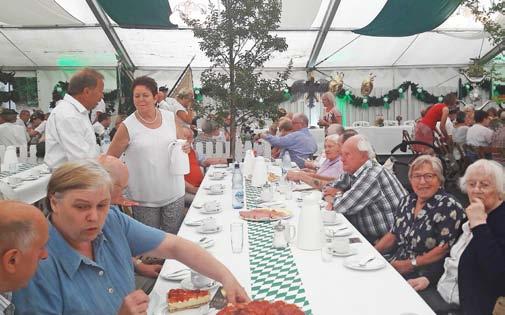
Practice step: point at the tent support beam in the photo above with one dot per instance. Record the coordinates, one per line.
(323, 31)
(405, 50)
(14, 45)
(492, 53)
(104, 22)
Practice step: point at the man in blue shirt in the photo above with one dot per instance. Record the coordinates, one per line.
(299, 144)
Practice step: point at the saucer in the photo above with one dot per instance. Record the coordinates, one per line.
(14, 185)
(221, 186)
(216, 178)
(220, 166)
(193, 222)
(350, 252)
(337, 232)
(216, 210)
(220, 192)
(353, 263)
(30, 177)
(217, 229)
(188, 285)
(329, 223)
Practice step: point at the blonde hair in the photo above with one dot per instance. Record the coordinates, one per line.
(435, 163)
(184, 92)
(84, 174)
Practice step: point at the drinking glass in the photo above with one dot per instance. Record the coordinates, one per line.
(326, 255)
(237, 237)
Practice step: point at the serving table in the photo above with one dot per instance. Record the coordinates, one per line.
(30, 189)
(294, 275)
(384, 139)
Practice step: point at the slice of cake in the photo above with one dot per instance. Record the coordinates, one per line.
(180, 299)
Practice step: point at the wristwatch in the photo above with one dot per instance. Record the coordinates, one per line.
(413, 262)
(138, 262)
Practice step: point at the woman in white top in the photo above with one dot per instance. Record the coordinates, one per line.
(144, 137)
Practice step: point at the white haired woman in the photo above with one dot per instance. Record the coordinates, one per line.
(426, 223)
(89, 269)
(330, 170)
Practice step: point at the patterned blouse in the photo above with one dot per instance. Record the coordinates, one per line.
(436, 224)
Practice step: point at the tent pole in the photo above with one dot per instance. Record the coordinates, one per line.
(104, 22)
(323, 31)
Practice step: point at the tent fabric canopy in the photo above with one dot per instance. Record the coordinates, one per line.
(134, 13)
(409, 17)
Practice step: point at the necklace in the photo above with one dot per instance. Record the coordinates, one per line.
(149, 122)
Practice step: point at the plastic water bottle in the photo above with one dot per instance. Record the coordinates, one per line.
(237, 188)
(106, 137)
(286, 161)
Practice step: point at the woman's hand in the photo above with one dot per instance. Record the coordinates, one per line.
(476, 213)
(235, 293)
(402, 266)
(419, 284)
(186, 147)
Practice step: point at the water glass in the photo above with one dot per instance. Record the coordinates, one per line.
(237, 237)
(326, 255)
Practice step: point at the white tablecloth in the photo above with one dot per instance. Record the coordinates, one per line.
(30, 191)
(330, 287)
(384, 139)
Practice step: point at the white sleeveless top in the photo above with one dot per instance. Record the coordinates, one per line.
(148, 161)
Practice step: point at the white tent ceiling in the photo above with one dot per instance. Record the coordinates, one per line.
(77, 40)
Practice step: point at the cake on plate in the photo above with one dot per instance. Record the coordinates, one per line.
(261, 308)
(180, 299)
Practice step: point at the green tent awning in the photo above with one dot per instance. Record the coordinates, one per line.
(409, 17)
(139, 14)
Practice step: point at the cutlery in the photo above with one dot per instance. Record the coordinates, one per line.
(203, 239)
(177, 272)
(366, 260)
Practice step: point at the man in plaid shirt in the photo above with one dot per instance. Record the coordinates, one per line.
(374, 194)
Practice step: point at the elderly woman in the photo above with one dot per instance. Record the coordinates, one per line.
(90, 269)
(144, 138)
(474, 273)
(330, 169)
(426, 223)
(331, 114)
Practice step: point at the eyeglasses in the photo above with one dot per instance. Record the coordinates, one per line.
(428, 177)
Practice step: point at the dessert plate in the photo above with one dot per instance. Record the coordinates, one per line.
(217, 229)
(219, 192)
(29, 177)
(357, 263)
(188, 285)
(350, 252)
(213, 211)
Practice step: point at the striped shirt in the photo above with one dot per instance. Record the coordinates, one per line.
(6, 306)
(371, 201)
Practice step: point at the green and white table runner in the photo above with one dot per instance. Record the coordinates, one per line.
(274, 274)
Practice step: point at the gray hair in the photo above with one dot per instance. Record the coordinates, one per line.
(302, 117)
(365, 146)
(489, 168)
(209, 126)
(17, 234)
(469, 107)
(333, 138)
(435, 163)
(335, 129)
(328, 95)
(86, 78)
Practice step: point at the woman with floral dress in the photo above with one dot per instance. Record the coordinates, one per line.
(426, 223)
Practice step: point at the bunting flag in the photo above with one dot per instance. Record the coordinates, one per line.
(185, 82)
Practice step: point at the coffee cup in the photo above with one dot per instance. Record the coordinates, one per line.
(329, 216)
(209, 224)
(13, 180)
(35, 172)
(340, 245)
(217, 188)
(211, 206)
(199, 281)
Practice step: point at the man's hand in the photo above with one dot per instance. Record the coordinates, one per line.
(419, 284)
(476, 213)
(150, 271)
(126, 202)
(402, 266)
(293, 175)
(330, 191)
(134, 303)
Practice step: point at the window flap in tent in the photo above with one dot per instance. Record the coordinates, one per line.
(409, 17)
(139, 14)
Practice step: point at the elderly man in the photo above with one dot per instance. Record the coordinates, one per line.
(69, 133)
(10, 132)
(299, 144)
(23, 238)
(374, 193)
(24, 118)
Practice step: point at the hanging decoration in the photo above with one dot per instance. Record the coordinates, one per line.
(197, 91)
(337, 84)
(367, 85)
(311, 89)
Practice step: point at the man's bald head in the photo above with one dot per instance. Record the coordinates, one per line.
(118, 173)
(23, 236)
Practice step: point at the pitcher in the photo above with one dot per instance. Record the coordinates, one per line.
(310, 223)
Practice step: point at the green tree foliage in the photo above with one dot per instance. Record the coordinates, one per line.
(485, 15)
(237, 39)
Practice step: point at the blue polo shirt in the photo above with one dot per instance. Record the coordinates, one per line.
(70, 283)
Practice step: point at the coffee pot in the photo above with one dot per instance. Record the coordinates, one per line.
(310, 223)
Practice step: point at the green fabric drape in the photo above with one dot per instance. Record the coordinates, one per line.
(409, 17)
(139, 14)
(342, 107)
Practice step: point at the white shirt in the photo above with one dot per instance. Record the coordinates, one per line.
(100, 107)
(448, 284)
(19, 122)
(449, 127)
(479, 136)
(5, 302)
(164, 105)
(69, 134)
(12, 134)
(98, 128)
(459, 134)
(147, 158)
(174, 106)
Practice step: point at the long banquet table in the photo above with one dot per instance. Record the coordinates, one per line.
(324, 287)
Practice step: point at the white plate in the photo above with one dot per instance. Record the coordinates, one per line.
(352, 251)
(220, 166)
(215, 192)
(218, 229)
(353, 263)
(217, 210)
(176, 276)
(208, 187)
(337, 233)
(14, 185)
(162, 309)
(188, 285)
(216, 178)
(336, 222)
(193, 222)
(31, 177)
